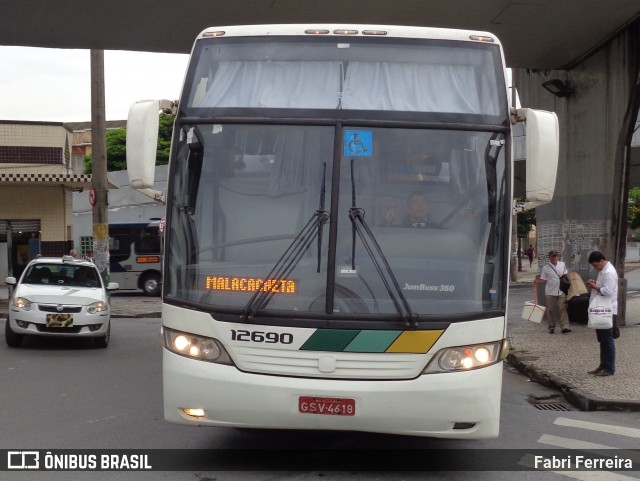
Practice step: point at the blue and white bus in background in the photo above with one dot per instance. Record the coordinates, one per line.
(296, 294)
(135, 256)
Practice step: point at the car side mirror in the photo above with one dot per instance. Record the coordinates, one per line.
(112, 286)
(11, 281)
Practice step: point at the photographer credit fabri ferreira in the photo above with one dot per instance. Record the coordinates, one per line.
(580, 462)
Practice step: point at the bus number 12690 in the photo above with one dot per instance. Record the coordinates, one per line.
(259, 336)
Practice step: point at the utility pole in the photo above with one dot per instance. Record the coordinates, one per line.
(99, 166)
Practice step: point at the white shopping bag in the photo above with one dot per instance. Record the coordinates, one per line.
(600, 312)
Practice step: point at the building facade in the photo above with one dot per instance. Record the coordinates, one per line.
(37, 179)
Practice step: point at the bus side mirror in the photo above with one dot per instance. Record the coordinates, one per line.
(142, 142)
(542, 148)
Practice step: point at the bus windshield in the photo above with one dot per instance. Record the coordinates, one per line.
(324, 220)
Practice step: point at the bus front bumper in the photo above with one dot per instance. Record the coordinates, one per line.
(463, 405)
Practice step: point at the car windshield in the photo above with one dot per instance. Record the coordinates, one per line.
(62, 274)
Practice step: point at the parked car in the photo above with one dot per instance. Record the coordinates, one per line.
(59, 297)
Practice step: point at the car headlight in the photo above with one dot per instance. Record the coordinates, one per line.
(97, 307)
(464, 358)
(196, 347)
(22, 303)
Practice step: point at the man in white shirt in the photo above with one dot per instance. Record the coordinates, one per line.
(556, 306)
(605, 285)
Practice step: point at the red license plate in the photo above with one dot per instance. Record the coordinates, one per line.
(327, 405)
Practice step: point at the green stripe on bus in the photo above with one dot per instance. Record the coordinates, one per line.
(329, 340)
(372, 341)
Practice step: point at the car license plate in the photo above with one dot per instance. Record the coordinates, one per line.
(59, 320)
(327, 405)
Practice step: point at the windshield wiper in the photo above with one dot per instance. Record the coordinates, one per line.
(360, 226)
(289, 260)
(189, 181)
(322, 209)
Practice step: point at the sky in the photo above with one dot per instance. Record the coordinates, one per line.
(54, 85)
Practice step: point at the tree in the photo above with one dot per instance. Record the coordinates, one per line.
(633, 208)
(525, 220)
(164, 138)
(117, 146)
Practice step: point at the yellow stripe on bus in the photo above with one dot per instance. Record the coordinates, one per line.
(415, 341)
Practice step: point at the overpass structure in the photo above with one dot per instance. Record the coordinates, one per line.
(589, 50)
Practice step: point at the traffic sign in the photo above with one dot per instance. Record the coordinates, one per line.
(92, 196)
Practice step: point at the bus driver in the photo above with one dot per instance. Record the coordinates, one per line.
(417, 212)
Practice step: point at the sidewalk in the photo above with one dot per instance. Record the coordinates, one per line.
(559, 360)
(562, 360)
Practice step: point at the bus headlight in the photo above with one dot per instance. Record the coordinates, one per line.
(464, 358)
(22, 303)
(196, 347)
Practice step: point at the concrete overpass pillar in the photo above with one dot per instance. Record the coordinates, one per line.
(588, 211)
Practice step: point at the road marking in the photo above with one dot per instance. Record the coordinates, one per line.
(605, 428)
(568, 443)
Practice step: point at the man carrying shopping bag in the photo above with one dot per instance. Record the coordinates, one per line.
(606, 285)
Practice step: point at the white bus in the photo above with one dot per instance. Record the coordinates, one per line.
(135, 256)
(296, 293)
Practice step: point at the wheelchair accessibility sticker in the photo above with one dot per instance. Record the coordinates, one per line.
(358, 143)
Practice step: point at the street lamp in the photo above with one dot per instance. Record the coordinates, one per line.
(558, 87)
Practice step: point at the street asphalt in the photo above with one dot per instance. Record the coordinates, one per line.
(557, 360)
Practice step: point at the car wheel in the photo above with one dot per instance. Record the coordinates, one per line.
(103, 341)
(151, 284)
(13, 339)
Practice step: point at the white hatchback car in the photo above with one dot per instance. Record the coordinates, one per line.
(61, 297)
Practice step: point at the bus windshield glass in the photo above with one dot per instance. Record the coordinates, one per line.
(335, 221)
(346, 74)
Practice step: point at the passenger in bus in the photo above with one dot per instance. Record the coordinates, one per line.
(417, 213)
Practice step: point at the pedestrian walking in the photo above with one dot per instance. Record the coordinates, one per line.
(556, 299)
(531, 252)
(606, 284)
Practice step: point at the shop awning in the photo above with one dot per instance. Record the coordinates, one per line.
(71, 181)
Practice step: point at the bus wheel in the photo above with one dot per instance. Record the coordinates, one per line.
(13, 339)
(151, 284)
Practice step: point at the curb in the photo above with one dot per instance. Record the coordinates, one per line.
(579, 398)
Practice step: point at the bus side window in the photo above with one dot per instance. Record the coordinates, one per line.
(148, 242)
(119, 247)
